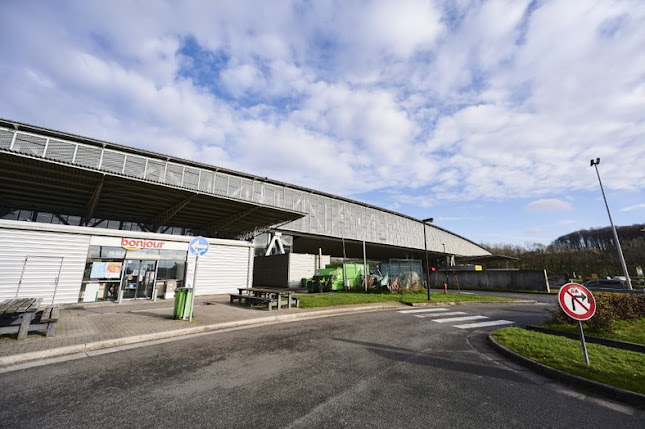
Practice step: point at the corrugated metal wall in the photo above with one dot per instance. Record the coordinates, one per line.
(303, 265)
(38, 254)
(224, 269)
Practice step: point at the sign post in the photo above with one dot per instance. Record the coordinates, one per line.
(578, 303)
(199, 247)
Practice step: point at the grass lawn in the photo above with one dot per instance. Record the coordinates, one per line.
(620, 368)
(554, 291)
(632, 331)
(328, 299)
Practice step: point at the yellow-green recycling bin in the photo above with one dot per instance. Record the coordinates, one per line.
(183, 297)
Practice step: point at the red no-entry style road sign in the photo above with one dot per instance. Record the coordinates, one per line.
(577, 301)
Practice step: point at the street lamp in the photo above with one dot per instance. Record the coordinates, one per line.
(444, 251)
(620, 251)
(425, 245)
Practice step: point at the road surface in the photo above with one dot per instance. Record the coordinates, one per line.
(385, 369)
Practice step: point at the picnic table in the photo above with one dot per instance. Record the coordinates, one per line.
(271, 297)
(17, 316)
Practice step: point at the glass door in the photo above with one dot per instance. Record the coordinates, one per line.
(145, 286)
(138, 278)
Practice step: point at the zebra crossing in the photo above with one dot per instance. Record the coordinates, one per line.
(444, 315)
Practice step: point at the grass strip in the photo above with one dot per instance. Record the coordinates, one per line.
(619, 368)
(329, 299)
(553, 291)
(632, 331)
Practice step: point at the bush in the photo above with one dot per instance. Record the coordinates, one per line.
(609, 307)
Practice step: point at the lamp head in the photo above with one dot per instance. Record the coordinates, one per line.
(429, 220)
(596, 162)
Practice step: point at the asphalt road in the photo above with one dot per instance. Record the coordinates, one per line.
(382, 369)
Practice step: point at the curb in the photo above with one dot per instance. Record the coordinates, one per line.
(605, 390)
(623, 345)
(439, 304)
(7, 361)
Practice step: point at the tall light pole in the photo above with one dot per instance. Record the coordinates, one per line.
(425, 245)
(613, 228)
(444, 251)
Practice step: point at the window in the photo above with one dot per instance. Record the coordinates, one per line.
(171, 269)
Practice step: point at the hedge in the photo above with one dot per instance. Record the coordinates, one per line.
(609, 307)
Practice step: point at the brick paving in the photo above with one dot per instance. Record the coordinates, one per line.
(86, 323)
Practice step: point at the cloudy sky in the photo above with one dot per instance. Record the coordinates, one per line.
(483, 114)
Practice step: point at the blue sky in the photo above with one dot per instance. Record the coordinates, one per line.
(483, 115)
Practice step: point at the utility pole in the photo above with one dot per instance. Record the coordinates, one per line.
(444, 251)
(613, 228)
(425, 245)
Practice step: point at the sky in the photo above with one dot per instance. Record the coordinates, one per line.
(481, 114)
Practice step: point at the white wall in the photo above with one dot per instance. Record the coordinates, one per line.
(304, 265)
(227, 265)
(43, 253)
(224, 269)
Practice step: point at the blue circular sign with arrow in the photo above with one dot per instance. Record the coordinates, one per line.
(198, 246)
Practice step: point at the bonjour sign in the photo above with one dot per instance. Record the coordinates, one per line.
(138, 244)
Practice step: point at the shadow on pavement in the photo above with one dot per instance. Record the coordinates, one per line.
(429, 359)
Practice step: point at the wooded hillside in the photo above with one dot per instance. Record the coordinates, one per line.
(583, 253)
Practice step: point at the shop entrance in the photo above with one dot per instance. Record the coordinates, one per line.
(138, 278)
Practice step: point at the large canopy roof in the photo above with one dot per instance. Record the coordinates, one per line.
(43, 169)
(34, 184)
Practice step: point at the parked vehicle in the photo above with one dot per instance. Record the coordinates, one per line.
(605, 283)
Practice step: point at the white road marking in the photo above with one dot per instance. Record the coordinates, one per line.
(459, 319)
(450, 313)
(468, 293)
(484, 324)
(423, 310)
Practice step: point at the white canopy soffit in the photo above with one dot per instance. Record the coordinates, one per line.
(47, 170)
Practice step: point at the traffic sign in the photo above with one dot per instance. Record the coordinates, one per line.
(579, 304)
(198, 246)
(577, 301)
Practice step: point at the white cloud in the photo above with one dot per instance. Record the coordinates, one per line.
(635, 207)
(400, 27)
(488, 101)
(548, 205)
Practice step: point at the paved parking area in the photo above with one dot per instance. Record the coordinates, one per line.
(87, 323)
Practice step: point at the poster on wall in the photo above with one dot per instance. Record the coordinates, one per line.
(113, 270)
(106, 270)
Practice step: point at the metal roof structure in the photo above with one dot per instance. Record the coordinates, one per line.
(50, 170)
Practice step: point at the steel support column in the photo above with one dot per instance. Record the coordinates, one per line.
(167, 215)
(90, 208)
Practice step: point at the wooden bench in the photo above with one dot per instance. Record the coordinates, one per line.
(250, 300)
(17, 314)
(294, 301)
(48, 321)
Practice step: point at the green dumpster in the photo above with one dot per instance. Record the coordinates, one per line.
(183, 297)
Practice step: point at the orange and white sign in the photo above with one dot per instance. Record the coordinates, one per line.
(135, 244)
(139, 244)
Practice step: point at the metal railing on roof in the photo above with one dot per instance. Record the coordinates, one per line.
(326, 216)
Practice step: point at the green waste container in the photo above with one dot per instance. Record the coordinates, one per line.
(183, 297)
